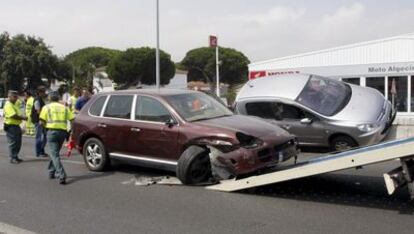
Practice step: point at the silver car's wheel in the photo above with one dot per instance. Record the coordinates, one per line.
(95, 155)
(342, 143)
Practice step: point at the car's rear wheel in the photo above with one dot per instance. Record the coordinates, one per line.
(94, 155)
(342, 143)
(194, 166)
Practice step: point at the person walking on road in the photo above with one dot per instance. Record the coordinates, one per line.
(13, 119)
(54, 117)
(40, 133)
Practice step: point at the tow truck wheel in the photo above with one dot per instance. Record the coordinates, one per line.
(194, 166)
(341, 143)
(94, 155)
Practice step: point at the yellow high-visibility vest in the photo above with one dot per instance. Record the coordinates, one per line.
(56, 116)
(11, 110)
(73, 100)
(29, 106)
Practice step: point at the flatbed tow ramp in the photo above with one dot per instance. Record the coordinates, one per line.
(402, 150)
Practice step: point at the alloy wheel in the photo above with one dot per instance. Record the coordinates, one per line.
(94, 155)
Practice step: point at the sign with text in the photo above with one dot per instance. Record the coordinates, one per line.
(259, 74)
(213, 41)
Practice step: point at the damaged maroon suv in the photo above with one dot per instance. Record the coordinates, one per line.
(185, 131)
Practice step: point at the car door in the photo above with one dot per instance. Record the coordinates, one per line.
(306, 126)
(289, 118)
(114, 125)
(150, 135)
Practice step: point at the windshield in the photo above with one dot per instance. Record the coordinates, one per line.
(325, 96)
(197, 106)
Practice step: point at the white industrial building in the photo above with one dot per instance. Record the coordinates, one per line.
(386, 65)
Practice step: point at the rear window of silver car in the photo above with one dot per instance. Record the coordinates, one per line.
(325, 96)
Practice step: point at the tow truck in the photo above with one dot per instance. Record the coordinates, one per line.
(402, 150)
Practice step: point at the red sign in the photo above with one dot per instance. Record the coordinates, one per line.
(277, 73)
(256, 74)
(259, 74)
(213, 41)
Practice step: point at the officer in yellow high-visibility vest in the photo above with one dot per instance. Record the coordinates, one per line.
(76, 92)
(12, 120)
(54, 117)
(29, 106)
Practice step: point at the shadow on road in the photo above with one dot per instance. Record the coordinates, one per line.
(347, 190)
(134, 169)
(92, 175)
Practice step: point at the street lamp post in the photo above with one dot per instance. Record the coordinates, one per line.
(157, 51)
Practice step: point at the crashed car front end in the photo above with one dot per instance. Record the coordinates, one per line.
(249, 154)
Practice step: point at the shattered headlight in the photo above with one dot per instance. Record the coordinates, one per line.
(248, 141)
(254, 144)
(224, 146)
(221, 142)
(367, 127)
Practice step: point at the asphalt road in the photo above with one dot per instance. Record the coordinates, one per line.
(353, 201)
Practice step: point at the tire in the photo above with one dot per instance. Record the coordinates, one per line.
(94, 155)
(342, 143)
(194, 166)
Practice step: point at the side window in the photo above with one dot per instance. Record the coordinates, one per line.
(149, 109)
(119, 106)
(292, 112)
(295, 113)
(260, 109)
(96, 107)
(276, 111)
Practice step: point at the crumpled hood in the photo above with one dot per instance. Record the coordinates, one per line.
(365, 105)
(247, 124)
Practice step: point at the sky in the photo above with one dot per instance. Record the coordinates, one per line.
(261, 29)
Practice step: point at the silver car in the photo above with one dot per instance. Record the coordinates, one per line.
(318, 110)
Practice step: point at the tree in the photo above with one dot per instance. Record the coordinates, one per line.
(4, 39)
(85, 61)
(137, 65)
(27, 57)
(201, 65)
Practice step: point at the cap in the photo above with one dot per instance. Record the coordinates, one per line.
(54, 95)
(13, 93)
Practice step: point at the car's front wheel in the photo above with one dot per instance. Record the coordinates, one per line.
(342, 143)
(194, 165)
(94, 155)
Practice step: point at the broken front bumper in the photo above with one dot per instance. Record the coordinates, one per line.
(244, 160)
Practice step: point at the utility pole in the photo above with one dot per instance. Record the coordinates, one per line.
(213, 43)
(217, 72)
(157, 51)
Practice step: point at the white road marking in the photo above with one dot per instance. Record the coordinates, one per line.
(9, 229)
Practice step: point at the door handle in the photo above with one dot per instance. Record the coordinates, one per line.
(101, 125)
(135, 129)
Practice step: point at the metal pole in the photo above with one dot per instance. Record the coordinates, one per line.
(157, 51)
(217, 72)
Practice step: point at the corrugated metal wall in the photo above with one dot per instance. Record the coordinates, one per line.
(389, 50)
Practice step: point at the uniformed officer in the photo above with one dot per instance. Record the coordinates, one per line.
(54, 117)
(72, 100)
(29, 106)
(13, 119)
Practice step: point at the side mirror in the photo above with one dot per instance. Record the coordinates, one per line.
(171, 122)
(306, 121)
